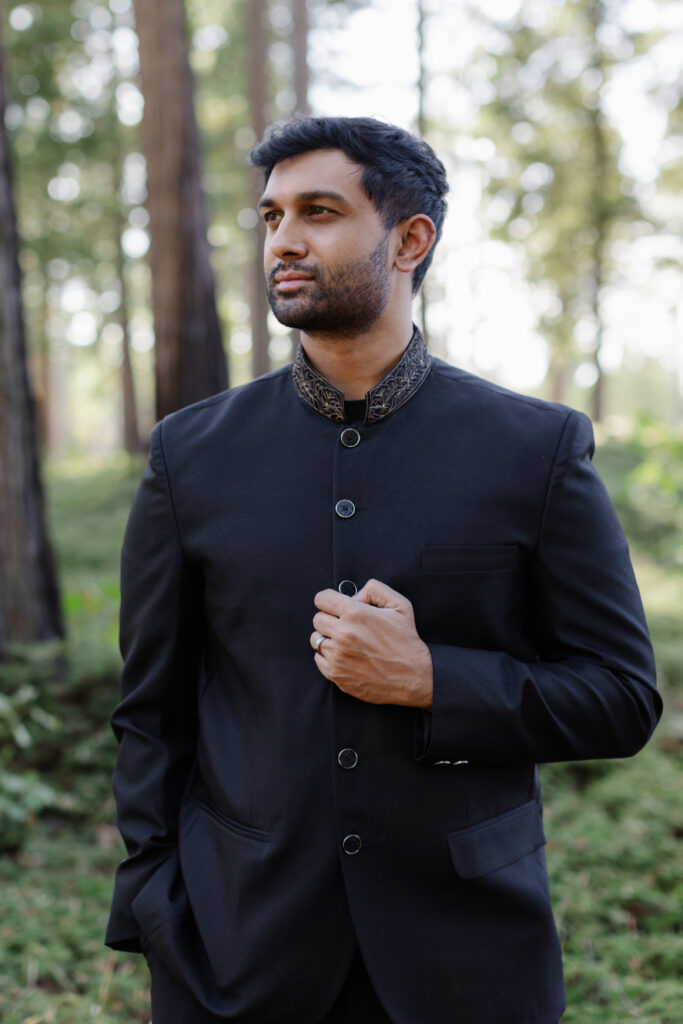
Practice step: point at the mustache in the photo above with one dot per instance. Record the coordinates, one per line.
(287, 268)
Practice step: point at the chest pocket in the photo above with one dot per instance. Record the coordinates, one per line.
(472, 596)
(482, 558)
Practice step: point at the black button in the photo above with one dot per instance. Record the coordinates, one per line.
(348, 587)
(345, 508)
(347, 758)
(349, 437)
(351, 844)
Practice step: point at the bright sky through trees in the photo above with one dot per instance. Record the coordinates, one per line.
(484, 313)
(490, 322)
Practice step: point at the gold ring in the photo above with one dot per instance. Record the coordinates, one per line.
(319, 642)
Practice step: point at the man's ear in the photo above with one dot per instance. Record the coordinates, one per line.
(418, 235)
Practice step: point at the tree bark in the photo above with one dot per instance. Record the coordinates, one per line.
(422, 129)
(258, 98)
(29, 599)
(601, 223)
(131, 432)
(601, 218)
(300, 55)
(41, 390)
(189, 357)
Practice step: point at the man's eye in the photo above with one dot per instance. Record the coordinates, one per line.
(318, 210)
(271, 216)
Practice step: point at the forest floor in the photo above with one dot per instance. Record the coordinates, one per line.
(614, 853)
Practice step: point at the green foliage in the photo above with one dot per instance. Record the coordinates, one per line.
(56, 747)
(645, 478)
(616, 865)
(556, 188)
(29, 738)
(53, 906)
(22, 797)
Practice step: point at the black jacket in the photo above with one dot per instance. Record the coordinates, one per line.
(483, 508)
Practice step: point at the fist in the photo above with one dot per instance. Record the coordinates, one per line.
(371, 648)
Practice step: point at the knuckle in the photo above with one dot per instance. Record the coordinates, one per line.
(344, 634)
(354, 614)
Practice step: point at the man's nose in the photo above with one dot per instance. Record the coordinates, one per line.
(287, 241)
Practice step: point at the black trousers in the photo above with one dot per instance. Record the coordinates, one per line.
(173, 1004)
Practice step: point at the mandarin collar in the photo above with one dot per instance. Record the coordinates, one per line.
(393, 391)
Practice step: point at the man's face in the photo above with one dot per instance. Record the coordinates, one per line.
(326, 256)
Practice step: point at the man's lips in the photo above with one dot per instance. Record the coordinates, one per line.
(291, 280)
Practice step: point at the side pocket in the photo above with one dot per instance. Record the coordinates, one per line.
(492, 844)
(238, 828)
(161, 898)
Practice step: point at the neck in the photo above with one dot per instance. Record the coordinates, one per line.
(354, 364)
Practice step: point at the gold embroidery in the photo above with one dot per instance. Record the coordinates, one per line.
(390, 394)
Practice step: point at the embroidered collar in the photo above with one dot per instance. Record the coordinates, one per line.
(390, 394)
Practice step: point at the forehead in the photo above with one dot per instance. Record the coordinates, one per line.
(320, 170)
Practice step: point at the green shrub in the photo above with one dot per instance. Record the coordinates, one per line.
(29, 741)
(22, 798)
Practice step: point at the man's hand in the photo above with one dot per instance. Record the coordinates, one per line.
(371, 648)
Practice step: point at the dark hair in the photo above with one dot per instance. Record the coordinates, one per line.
(401, 173)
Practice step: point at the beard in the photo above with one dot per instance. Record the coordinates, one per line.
(342, 300)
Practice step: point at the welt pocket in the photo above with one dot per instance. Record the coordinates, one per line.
(238, 828)
(493, 844)
(479, 558)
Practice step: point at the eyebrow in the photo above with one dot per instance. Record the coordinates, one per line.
(307, 197)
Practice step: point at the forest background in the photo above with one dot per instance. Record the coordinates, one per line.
(127, 126)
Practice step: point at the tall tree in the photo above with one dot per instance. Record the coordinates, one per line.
(422, 123)
(190, 361)
(29, 601)
(131, 432)
(69, 65)
(557, 174)
(258, 100)
(300, 55)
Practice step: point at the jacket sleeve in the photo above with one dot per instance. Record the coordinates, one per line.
(591, 692)
(155, 722)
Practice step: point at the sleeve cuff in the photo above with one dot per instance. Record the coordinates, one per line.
(436, 732)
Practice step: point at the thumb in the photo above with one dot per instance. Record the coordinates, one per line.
(381, 596)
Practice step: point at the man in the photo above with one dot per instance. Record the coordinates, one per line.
(362, 597)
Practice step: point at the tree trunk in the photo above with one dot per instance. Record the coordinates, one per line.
(602, 225)
(422, 129)
(601, 217)
(558, 382)
(598, 397)
(258, 98)
(189, 356)
(29, 600)
(300, 55)
(131, 433)
(42, 373)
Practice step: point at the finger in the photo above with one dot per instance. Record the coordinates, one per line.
(323, 666)
(332, 602)
(325, 624)
(316, 640)
(382, 596)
